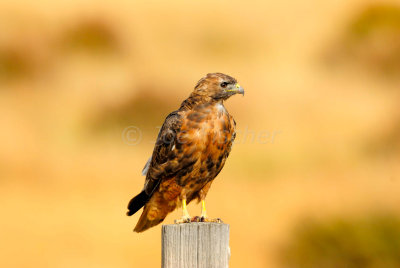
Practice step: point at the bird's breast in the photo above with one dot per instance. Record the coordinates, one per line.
(205, 139)
(207, 126)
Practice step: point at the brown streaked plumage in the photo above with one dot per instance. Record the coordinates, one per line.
(191, 149)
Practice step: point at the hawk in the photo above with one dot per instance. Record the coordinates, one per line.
(191, 149)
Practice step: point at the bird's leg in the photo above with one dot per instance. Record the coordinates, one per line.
(203, 209)
(184, 210)
(185, 217)
(204, 217)
(202, 195)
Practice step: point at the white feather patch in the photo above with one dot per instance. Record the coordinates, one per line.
(146, 167)
(220, 107)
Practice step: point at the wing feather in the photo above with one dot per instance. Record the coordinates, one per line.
(163, 151)
(146, 167)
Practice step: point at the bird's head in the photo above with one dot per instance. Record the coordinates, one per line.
(218, 86)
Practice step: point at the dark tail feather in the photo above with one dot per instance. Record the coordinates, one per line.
(137, 203)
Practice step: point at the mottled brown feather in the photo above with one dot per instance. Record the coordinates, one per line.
(191, 149)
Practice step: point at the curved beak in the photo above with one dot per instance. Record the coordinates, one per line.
(239, 89)
(236, 89)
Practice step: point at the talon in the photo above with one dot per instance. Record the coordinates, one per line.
(184, 219)
(216, 220)
(204, 217)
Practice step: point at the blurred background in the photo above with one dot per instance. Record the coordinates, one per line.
(312, 181)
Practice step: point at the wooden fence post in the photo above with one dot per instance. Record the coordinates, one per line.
(195, 245)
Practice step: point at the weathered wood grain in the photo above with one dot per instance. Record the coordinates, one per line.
(195, 245)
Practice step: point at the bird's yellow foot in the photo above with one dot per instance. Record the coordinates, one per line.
(206, 219)
(184, 219)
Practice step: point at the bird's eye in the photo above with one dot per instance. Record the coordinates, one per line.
(224, 84)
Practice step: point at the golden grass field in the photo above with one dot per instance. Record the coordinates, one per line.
(75, 74)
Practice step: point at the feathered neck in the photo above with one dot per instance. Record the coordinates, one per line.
(197, 99)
